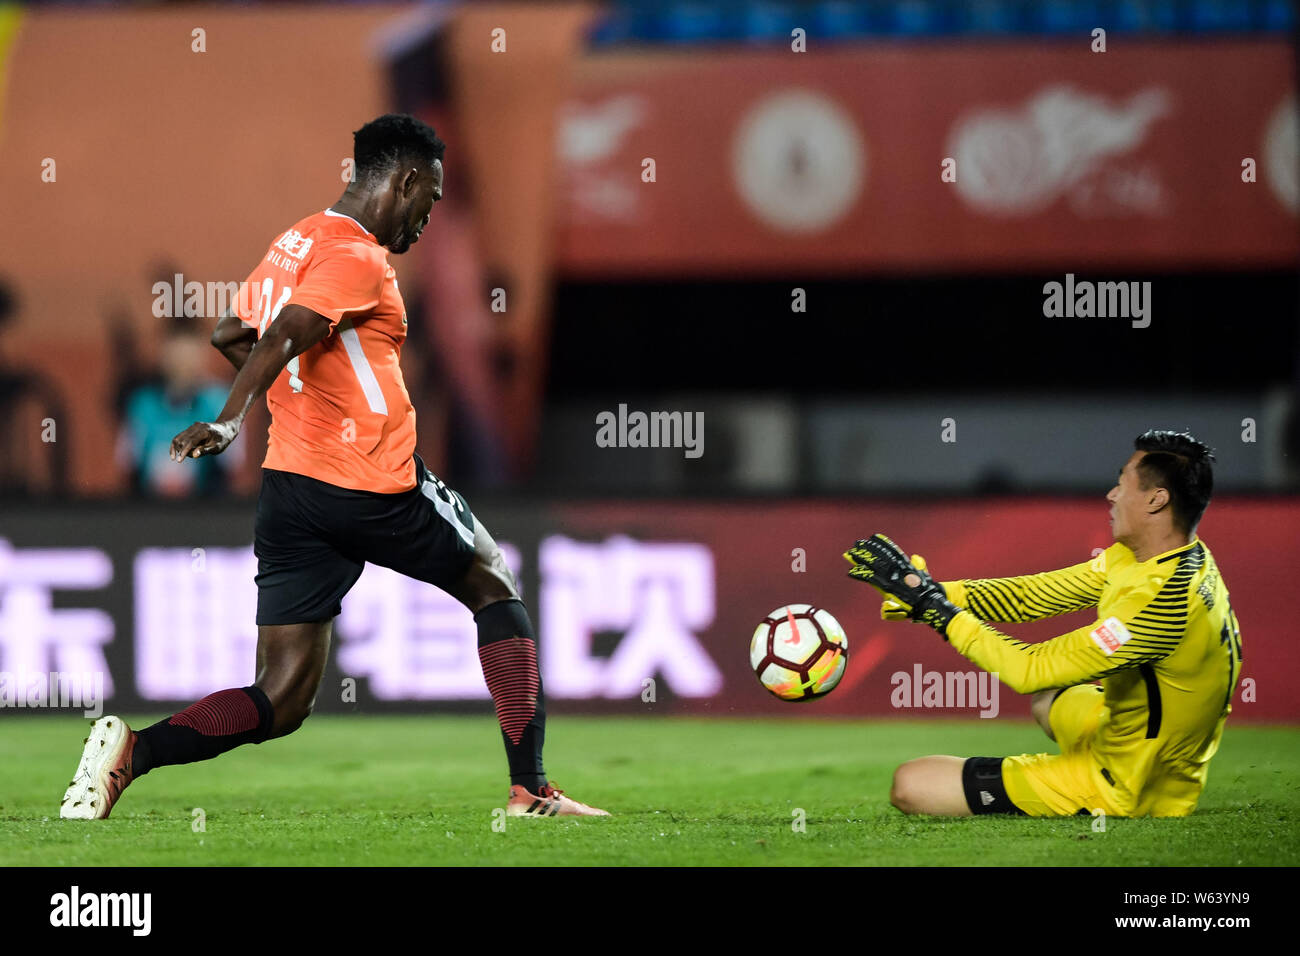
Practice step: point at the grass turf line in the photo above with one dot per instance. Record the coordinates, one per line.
(421, 790)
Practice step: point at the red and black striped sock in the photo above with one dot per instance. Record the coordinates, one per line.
(213, 725)
(507, 649)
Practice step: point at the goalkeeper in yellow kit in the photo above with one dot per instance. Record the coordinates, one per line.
(1165, 647)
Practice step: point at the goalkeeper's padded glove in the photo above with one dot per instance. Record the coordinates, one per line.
(883, 565)
(895, 610)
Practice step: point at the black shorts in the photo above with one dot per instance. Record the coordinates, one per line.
(312, 540)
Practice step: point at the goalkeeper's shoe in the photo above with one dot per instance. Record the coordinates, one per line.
(548, 802)
(104, 771)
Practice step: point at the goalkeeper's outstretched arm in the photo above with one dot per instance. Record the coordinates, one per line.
(1031, 597)
(1142, 629)
(1131, 637)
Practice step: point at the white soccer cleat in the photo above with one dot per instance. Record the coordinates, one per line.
(549, 802)
(104, 771)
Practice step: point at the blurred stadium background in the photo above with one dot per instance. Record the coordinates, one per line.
(865, 338)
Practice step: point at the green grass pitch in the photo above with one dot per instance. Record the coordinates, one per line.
(418, 791)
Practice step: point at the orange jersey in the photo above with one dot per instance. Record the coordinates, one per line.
(340, 411)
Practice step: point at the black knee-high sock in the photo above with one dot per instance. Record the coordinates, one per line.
(213, 725)
(507, 649)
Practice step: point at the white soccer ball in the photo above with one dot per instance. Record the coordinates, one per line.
(799, 652)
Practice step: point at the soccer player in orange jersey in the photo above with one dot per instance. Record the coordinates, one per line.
(318, 326)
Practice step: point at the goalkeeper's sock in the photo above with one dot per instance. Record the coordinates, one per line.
(507, 649)
(203, 730)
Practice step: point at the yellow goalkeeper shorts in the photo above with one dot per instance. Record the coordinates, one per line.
(1071, 782)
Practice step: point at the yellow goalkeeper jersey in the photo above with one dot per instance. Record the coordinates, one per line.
(1166, 648)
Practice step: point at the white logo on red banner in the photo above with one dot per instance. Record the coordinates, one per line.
(799, 161)
(588, 141)
(1062, 143)
(36, 635)
(1282, 154)
(653, 597)
(195, 621)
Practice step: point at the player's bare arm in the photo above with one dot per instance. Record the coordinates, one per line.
(294, 331)
(233, 339)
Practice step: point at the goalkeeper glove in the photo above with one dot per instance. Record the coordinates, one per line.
(884, 566)
(894, 610)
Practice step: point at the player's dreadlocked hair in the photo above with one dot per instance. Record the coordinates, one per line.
(1181, 465)
(391, 139)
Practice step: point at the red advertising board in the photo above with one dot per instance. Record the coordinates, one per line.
(1148, 155)
(766, 556)
(639, 607)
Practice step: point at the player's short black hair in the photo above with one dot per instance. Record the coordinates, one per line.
(383, 143)
(1181, 465)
